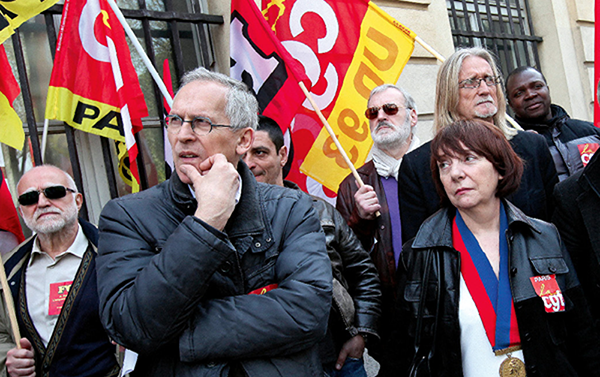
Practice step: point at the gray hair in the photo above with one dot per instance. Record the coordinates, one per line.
(409, 102)
(447, 91)
(241, 106)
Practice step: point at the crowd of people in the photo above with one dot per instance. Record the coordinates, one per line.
(443, 263)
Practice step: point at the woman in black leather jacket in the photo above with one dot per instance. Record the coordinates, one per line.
(501, 297)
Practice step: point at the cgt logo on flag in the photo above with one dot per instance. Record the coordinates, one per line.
(94, 86)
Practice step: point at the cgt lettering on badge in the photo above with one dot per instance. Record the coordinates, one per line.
(547, 288)
(554, 303)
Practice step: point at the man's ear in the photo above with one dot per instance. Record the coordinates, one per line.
(78, 200)
(245, 139)
(414, 117)
(283, 155)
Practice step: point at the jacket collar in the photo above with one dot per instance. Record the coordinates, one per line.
(558, 116)
(247, 218)
(436, 231)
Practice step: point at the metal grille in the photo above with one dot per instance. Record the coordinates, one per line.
(501, 26)
(176, 26)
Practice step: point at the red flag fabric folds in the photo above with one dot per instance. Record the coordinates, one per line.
(11, 130)
(94, 86)
(260, 60)
(9, 221)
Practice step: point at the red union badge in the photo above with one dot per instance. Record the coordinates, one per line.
(58, 294)
(547, 288)
(263, 290)
(587, 151)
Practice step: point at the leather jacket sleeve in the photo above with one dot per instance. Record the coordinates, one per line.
(346, 205)
(353, 267)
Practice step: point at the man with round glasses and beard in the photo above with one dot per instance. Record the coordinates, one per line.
(392, 115)
(52, 270)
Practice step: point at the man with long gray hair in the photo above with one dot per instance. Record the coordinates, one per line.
(468, 87)
(209, 273)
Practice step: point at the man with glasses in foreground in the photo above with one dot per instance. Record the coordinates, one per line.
(468, 87)
(392, 116)
(210, 273)
(53, 270)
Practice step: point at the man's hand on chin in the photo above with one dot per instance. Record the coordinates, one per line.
(215, 184)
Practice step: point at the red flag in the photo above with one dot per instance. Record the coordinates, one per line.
(259, 59)
(348, 48)
(11, 131)
(9, 221)
(597, 69)
(169, 84)
(94, 86)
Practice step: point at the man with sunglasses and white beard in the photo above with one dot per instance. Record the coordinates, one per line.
(392, 116)
(52, 270)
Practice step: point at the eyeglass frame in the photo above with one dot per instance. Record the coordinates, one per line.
(495, 81)
(191, 122)
(38, 192)
(383, 107)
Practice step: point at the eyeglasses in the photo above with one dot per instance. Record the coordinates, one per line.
(200, 125)
(52, 192)
(475, 83)
(388, 108)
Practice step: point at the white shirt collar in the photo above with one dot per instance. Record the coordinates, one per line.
(77, 248)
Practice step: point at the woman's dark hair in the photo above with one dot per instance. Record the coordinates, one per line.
(484, 140)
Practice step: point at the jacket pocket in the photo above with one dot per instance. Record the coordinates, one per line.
(549, 265)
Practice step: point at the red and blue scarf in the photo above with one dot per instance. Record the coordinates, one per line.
(492, 295)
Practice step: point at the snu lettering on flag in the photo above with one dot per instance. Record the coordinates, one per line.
(350, 48)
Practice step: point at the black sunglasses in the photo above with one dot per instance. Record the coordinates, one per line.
(388, 108)
(52, 192)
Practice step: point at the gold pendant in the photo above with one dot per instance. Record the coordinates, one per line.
(512, 367)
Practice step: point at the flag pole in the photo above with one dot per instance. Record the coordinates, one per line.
(332, 134)
(442, 59)
(140, 50)
(10, 306)
(44, 139)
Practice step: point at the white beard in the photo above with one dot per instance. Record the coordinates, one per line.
(399, 135)
(52, 224)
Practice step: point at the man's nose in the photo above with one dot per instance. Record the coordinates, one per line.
(43, 201)
(484, 89)
(186, 132)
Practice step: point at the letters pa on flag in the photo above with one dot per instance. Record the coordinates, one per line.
(350, 48)
(94, 86)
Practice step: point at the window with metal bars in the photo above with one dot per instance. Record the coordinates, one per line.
(168, 29)
(502, 26)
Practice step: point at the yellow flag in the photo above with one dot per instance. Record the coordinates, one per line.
(383, 49)
(11, 127)
(15, 12)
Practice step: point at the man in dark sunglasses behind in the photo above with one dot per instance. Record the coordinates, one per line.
(392, 116)
(52, 270)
